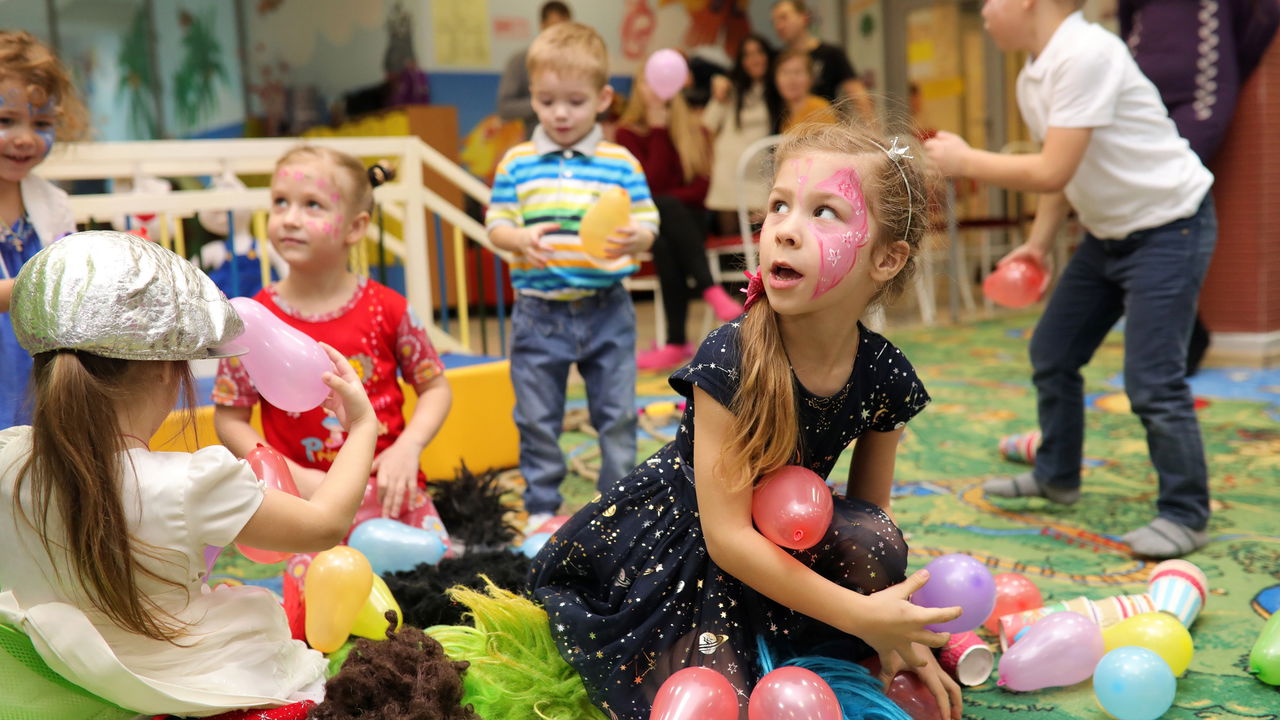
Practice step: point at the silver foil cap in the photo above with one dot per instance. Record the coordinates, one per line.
(116, 295)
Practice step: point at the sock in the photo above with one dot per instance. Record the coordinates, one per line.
(1026, 485)
(1164, 538)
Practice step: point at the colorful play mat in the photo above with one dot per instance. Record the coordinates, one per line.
(978, 376)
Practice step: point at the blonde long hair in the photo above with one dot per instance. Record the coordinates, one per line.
(75, 471)
(685, 130)
(764, 434)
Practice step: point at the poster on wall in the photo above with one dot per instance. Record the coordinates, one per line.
(461, 33)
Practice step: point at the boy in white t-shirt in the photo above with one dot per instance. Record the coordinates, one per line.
(1110, 151)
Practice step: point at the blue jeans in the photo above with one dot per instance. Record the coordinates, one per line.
(1153, 278)
(547, 336)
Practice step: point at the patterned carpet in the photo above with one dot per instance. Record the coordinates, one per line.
(979, 378)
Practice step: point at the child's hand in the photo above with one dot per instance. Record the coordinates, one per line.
(945, 690)
(348, 401)
(897, 626)
(629, 240)
(397, 471)
(1036, 253)
(532, 246)
(949, 152)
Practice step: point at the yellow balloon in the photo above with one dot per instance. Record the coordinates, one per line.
(338, 584)
(1159, 632)
(610, 212)
(371, 621)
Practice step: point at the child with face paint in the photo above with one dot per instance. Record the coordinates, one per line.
(320, 205)
(666, 570)
(38, 105)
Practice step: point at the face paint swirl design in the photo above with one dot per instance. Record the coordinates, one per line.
(838, 243)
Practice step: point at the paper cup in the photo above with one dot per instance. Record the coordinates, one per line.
(967, 659)
(1021, 447)
(1179, 588)
(1112, 610)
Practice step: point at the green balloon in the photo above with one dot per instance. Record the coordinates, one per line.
(1264, 661)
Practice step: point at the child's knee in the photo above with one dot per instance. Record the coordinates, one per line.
(863, 550)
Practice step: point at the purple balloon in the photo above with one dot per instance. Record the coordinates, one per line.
(1058, 650)
(958, 579)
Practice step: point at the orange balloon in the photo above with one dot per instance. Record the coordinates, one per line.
(610, 212)
(338, 584)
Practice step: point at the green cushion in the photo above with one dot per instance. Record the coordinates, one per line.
(30, 690)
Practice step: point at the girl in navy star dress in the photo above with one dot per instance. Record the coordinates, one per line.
(665, 570)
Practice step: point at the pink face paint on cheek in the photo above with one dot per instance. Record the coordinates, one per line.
(838, 244)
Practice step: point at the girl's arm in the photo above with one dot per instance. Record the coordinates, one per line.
(885, 620)
(397, 466)
(290, 524)
(871, 471)
(6, 292)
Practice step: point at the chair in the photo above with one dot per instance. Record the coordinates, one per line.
(33, 691)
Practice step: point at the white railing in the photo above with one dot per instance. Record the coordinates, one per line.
(406, 199)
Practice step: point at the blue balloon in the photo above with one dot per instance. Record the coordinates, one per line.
(1134, 683)
(1021, 632)
(534, 543)
(392, 546)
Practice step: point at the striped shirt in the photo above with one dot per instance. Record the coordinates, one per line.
(540, 181)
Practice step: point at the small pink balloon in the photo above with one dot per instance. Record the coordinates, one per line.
(273, 471)
(666, 72)
(1058, 650)
(695, 693)
(285, 364)
(792, 507)
(793, 692)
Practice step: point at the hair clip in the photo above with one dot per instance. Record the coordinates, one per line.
(897, 151)
(378, 175)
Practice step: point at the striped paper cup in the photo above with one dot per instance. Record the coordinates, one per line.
(967, 659)
(1180, 589)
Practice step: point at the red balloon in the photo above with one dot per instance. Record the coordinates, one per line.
(792, 507)
(1014, 593)
(695, 693)
(271, 468)
(793, 692)
(909, 692)
(1016, 283)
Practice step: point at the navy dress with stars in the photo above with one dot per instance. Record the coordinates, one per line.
(630, 590)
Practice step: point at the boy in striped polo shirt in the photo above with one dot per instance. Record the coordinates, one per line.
(570, 307)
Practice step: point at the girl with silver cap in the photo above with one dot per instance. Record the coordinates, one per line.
(104, 540)
(37, 104)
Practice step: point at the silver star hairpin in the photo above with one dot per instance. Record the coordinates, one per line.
(897, 152)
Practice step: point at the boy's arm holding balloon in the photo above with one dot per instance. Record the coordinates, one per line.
(526, 241)
(1051, 212)
(287, 523)
(629, 240)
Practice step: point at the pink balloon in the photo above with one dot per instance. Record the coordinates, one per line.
(666, 72)
(273, 471)
(793, 692)
(792, 507)
(695, 693)
(285, 364)
(1016, 284)
(1058, 650)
